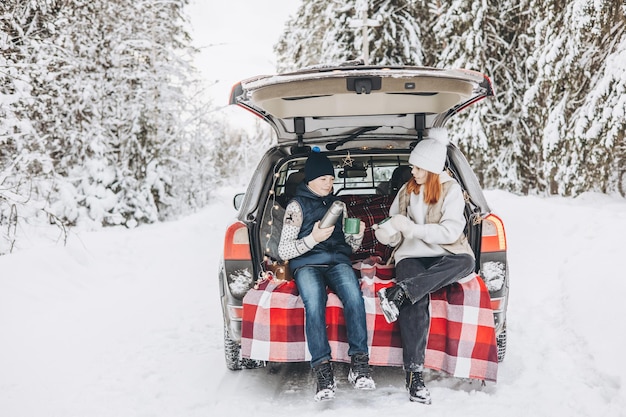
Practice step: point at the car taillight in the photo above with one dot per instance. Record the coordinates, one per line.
(235, 312)
(238, 260)
(237, 243)
(493, 238)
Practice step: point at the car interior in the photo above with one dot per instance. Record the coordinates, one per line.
(366, 183)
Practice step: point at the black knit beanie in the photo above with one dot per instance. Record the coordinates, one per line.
(316, 166)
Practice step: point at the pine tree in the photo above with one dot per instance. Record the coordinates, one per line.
(98, 121)
(320, 34)
(398, 39)
(490, 37)
(556, 124)
(310, 37)
(576, 102)
(25, 167)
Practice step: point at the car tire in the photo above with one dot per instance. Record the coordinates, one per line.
(501, 341)
(232, 352)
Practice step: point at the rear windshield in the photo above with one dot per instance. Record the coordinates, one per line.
(362, 174)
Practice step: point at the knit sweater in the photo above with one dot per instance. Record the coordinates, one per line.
(297, 243)
(439, 228)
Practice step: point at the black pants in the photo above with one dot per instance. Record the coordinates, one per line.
(419, 277)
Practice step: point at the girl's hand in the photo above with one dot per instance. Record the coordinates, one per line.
(403, 224)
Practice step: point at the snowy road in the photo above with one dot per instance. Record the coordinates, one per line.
(125, 323)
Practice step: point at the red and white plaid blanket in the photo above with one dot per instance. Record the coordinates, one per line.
(461, 339)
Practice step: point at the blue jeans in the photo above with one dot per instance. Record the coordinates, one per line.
(419, 277)
(341, 279)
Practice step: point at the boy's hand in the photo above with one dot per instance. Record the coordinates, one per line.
(321, 235)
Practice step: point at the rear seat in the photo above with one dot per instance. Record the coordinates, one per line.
(371, 209)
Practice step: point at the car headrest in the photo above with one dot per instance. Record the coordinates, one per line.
(399, 177)
(293, 180)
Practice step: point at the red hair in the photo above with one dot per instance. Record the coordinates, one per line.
(432, 188)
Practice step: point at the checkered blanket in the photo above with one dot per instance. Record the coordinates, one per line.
(461, 339)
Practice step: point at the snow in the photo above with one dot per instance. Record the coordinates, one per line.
(127, 322)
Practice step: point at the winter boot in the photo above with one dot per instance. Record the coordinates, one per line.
(325, 382)
(416, 387)
(391, 300)
(360, 375)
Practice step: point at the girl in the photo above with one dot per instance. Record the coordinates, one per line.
(433, 252)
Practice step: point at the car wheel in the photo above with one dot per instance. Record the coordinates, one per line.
(501, 341)
(232, 354)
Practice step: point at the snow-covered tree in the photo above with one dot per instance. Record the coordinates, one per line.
(557, 122)
(25, 166)
(97, 109)
(310, 37)
(490, 37)
(128, 84)
(576, 101)
(236, 150)
(321, 33)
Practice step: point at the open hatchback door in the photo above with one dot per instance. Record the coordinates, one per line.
(313, 105)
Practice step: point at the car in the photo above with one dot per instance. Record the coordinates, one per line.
(366, 119)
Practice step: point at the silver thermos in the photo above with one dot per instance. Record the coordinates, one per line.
(331, 216)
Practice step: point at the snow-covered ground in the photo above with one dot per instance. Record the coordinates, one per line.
(126, 323)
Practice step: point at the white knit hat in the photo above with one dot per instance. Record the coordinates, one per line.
(430, 154)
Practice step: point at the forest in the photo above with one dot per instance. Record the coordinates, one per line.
(105, 120)
(557, 123)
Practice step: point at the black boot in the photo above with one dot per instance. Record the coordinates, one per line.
(391, 301)
(416, 387)
(325, 382)
(360, 375)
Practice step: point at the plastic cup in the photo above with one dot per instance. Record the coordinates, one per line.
(352, 225)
